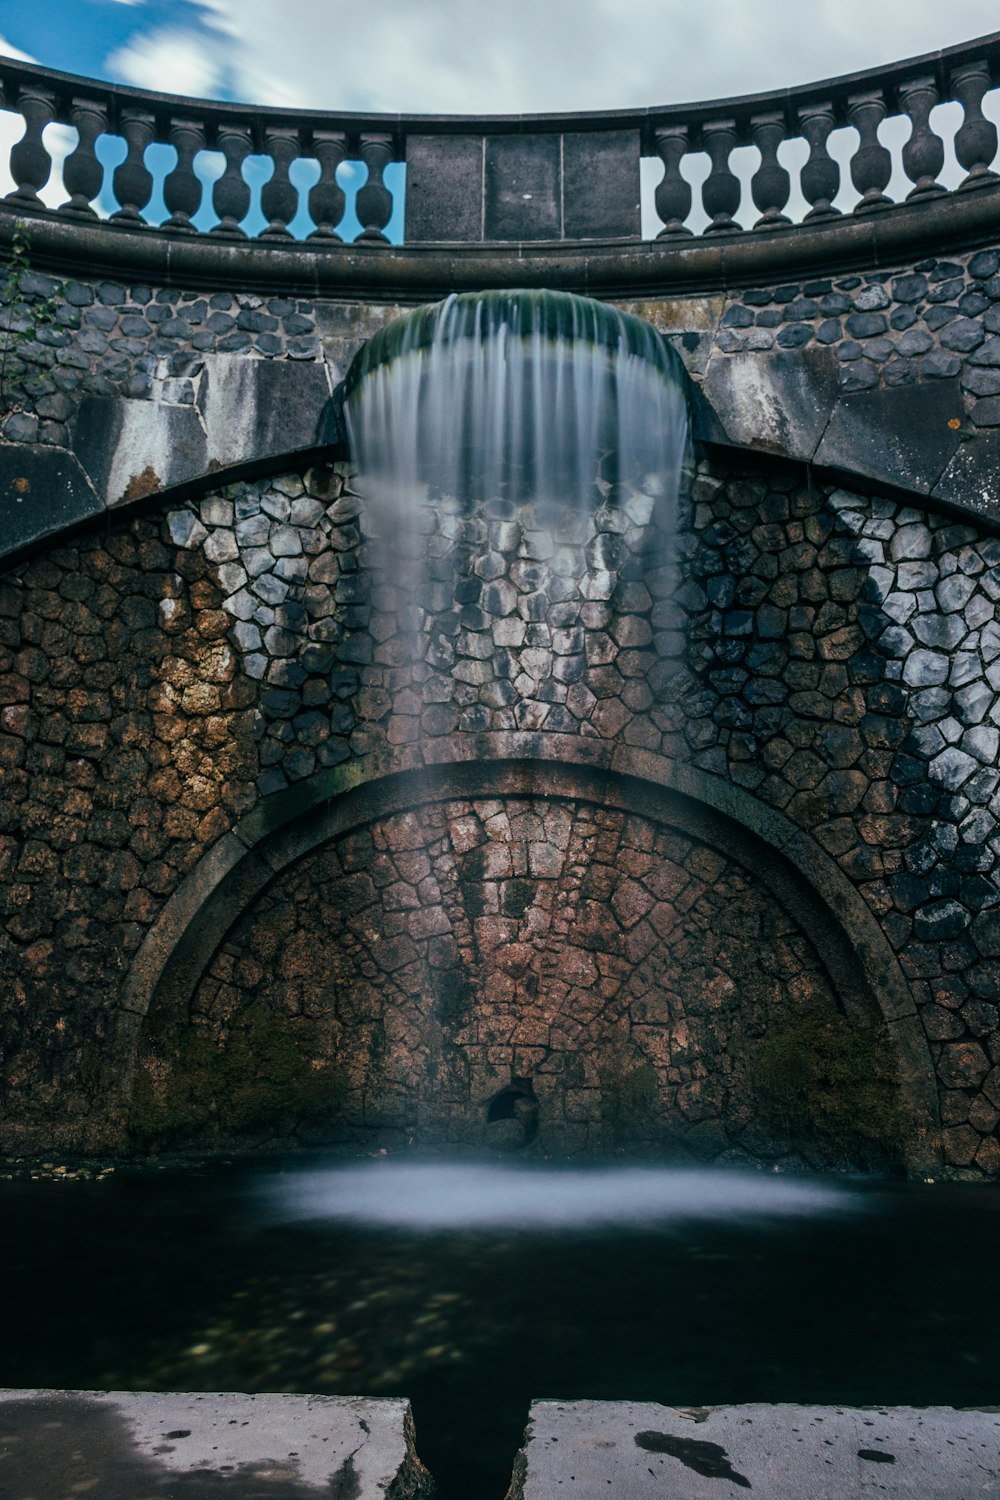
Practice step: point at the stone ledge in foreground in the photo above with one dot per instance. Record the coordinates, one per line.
(591, 1449)
(120, 1445)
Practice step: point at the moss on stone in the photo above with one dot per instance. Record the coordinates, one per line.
(628, 1097)
(518, 895)
(832, 1088)
(189, 1089)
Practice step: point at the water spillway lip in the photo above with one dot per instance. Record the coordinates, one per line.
(455, 1196)
(551, 317)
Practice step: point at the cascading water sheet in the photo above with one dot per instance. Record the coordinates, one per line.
(518, 395)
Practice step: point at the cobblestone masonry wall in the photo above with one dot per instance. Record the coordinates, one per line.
(836, 655)
(437, 954)
(149, 343)
(936, 319)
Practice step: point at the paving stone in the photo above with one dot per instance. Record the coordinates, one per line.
(644, 1450)
(120, 1444)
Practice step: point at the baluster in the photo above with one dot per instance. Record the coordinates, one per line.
(820, 176)
(923, 154)
(182, 189)
(133, 181)
(30, 163)
(83, 174)
(278, 197)
(374, 203)
(770, 185)
(327, 200)
(976, 137)
(231, 195)
(673, 194)
(720, 193)
(871, 164)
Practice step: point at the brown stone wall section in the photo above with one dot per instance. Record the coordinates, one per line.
(440, 954)
(834, 655)
(125, 750)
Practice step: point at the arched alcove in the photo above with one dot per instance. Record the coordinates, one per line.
(626, 936)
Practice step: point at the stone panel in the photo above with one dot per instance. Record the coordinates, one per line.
(444, 188)
(523, 187)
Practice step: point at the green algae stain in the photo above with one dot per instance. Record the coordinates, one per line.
(189, 1089)
(822, 1083)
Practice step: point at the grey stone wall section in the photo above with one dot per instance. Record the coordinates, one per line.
(122, 1443)
(891, 375)
(593, 1448)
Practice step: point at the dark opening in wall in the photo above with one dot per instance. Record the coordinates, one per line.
(516, 1102)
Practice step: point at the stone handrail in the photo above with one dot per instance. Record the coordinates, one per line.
(495, 180)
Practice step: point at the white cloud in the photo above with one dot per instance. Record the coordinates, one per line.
(7, 49)
(170, 60)
(452, 56)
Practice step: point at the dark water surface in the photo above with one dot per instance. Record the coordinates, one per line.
(231, 1278)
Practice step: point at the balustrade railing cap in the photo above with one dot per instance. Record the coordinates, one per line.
(939, 65)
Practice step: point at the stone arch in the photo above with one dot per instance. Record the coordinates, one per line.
(290, 825)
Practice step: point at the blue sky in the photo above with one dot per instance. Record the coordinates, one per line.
(461, 55)
(79, 36)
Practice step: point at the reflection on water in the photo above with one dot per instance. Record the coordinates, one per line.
(434, 1196)
(212, 1279)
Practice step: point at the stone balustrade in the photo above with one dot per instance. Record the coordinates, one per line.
(495, 180)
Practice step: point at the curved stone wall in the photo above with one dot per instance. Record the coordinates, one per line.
(624, 969)
(833, 656)
(212, 674)
(114, 393)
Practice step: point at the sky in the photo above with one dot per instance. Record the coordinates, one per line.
(443, 56)
(467, 56)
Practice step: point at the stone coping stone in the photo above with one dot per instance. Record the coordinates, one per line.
(125, 1445)
(591, 1449)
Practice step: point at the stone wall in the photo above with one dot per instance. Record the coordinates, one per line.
(625, 970)
(129, 390)
(834, 656)
(933, 319)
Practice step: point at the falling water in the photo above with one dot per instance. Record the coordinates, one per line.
(551, 411)
(515, 450)
(520, 395)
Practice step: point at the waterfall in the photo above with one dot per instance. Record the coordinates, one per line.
(521, 395)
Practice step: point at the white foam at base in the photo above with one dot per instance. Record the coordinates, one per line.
(440, 1196)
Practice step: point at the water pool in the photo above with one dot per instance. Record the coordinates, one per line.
(473, 1288)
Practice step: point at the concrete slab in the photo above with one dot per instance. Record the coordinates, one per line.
(119, 1445)
(640, 1451)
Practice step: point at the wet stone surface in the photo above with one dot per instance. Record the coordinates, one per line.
(644, 1450)
(121, 1445)
(629, 970)
(837, 656)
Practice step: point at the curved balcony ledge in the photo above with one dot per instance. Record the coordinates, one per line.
(544, 200)
(959, 221)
